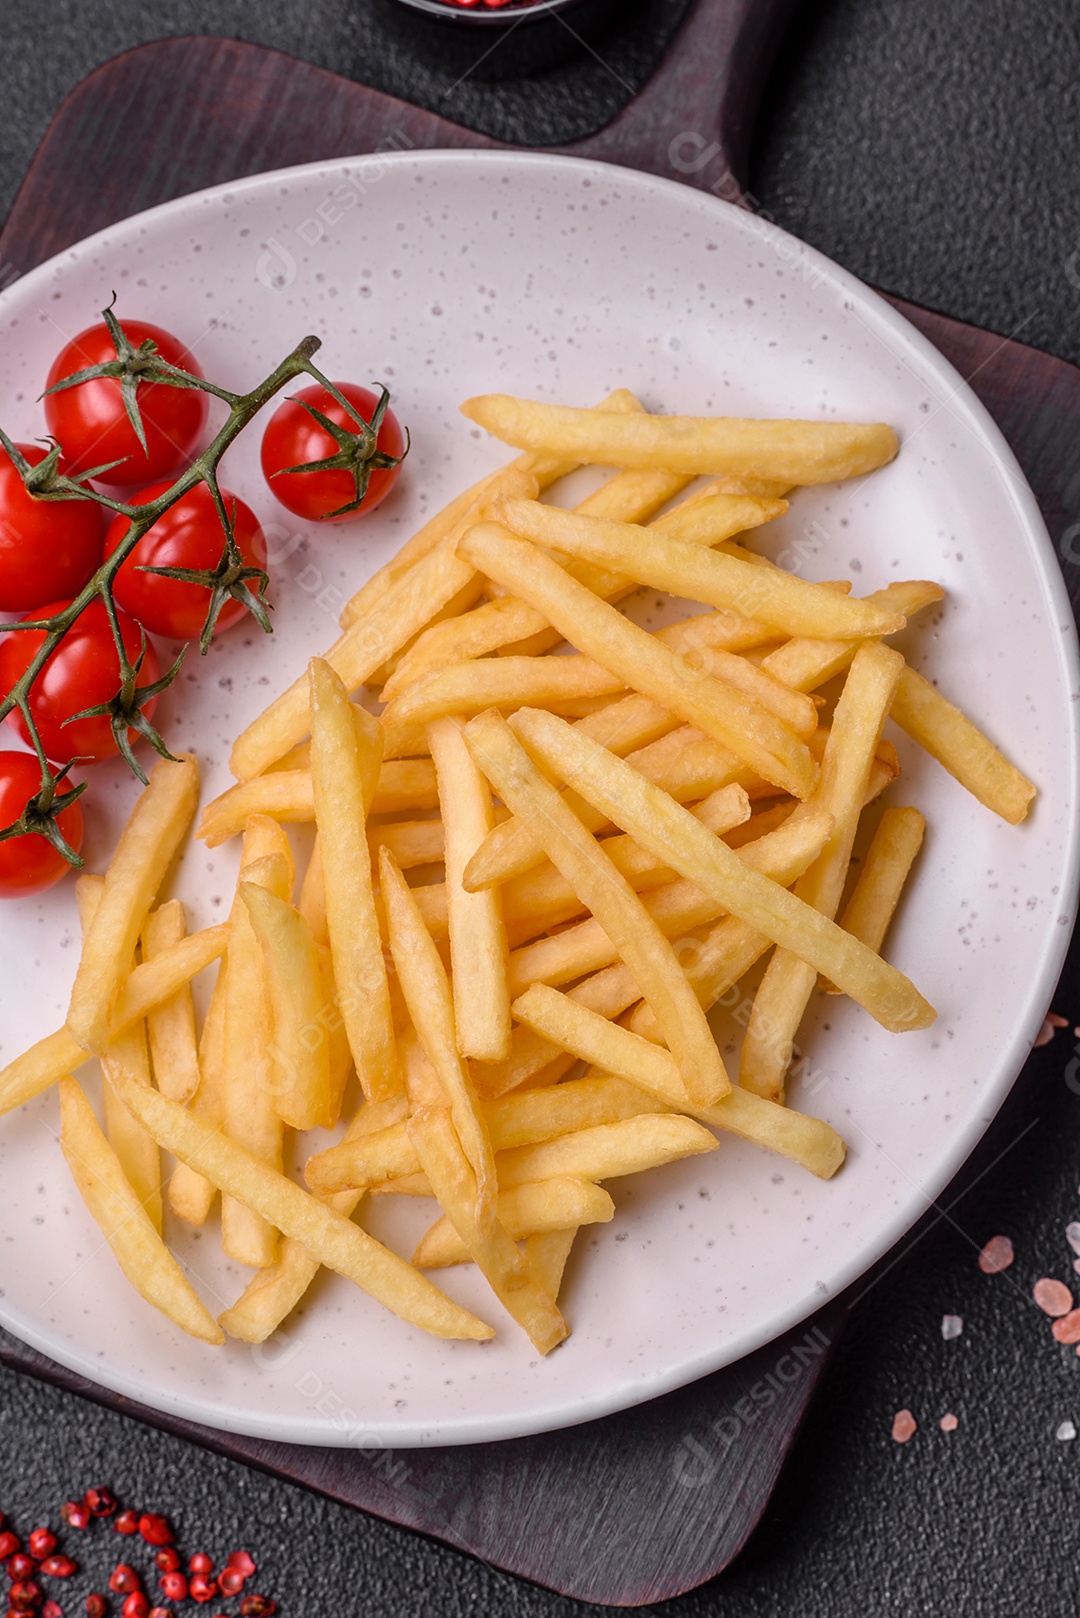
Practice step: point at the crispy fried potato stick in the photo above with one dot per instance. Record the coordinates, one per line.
(424, 984)
(477, 935)
(546, 1206)
(609, 896)
(344, 775)
(331, 1238)
(612, 1049)
(645, 664)
(147, 844)
(958, 745)
(661, 824)
(789, 452)
(47, 1061)
(272, 1294)
(170, 1026)
(451, 1177)
(881, 879)
(136, 1245)
(790, 604)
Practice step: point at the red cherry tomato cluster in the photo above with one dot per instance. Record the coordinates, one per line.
(323, 461)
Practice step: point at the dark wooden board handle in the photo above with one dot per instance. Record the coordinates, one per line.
(671, 1490)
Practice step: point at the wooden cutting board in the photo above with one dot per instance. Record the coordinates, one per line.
(640, 1506)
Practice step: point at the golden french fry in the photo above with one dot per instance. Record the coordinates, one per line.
(451, 1176)
(344, 782)
(115, 1206)
(785, 990)
(612, 1049)
(881, 879)
(331, 1238)
(288, 795)
(608, 1150)
(613, 902)
(542, 898)
(806, 664)
(517, 1120)
(545, 469)
(250, 1074)
(274, 1293)
(49, 1059)
(970, 758)
(560, 1204)
(477, 936)
(191, 1195)
(548, 1252)
(675, 908)
(424, 984)
(170, 1026)
(151, 837)
(790, 452)
(503, 682)
(673, 834)
(136, 1152)
(359, 651)
(641, 661)
(790, 604)
(303, 1097)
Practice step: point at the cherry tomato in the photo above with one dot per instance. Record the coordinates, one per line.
(48, 548)
(83, 671)
(89, 419)
(30, 864)
(293, 438)
(188, 535)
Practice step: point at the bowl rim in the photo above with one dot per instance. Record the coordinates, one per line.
(484, 16)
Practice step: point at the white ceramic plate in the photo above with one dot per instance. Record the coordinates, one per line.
(448, 274)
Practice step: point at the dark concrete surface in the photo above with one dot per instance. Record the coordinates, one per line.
(932, 146)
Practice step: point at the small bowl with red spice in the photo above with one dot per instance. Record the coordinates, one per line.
(501, 38)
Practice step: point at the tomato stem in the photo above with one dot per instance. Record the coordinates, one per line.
(45, 481)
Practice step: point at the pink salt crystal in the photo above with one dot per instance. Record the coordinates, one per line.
(1052, 1297)
(1076, 1265)
(904, 1426)
(996, 1256)
(949, 1423)
(951, 1326)
(1072, 1235)
(1067, 1328)
(1051, 1023)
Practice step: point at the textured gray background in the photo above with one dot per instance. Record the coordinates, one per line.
(932, 147)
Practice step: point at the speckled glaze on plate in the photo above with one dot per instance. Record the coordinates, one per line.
(447, 274)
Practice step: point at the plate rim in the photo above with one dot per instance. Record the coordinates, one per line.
(551, 1416)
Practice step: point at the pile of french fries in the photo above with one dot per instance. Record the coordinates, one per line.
(625, 829)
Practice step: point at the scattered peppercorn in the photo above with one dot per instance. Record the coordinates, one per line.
(243, 1563)
(25, 1595)
(201, 1563)
(257, 1607)
(21, 1566)
(202, 1588)
(41, 1543)
(135, 1606)
(155, 1530)
(123, 1580)
(59, 1567)
(100, 1502)
(9, 1544)
(127, 1523)
(52, 1609)
(231, 1581)
(75, 1514)
(96, 1606)
(162, 1612)
(174, 1586)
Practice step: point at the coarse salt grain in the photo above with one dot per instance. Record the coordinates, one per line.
(951, 1326)
(1067, 1328)
(996, 1256)
(1065, 1432)
(1072, 1235)
(1052, 1297)
(904, 1426)
(948, 1423)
